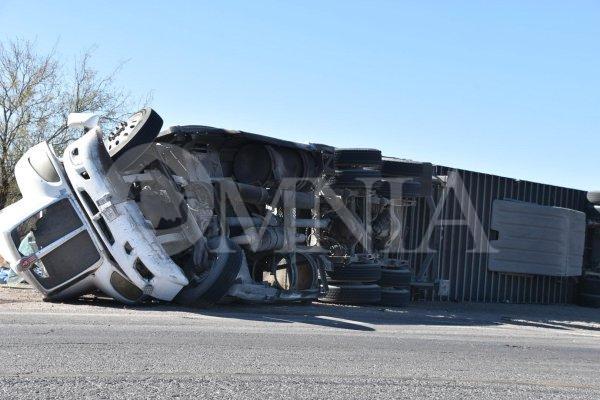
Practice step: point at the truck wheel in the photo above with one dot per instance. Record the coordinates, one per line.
(212, 285)
(349, 158)
(594, 197)
(409, 189)
(590, 285)
(353, 178)
(589, 300)
(353, 294)
(395, 277)
(355, 272)
(391, 167)
(395, 297)
(130, 139)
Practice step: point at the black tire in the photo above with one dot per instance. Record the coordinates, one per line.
(130, 140)
(412, 189)
(395, 297)
(353, 294)
(225, 268)
(345, 158)
(395, 277)
(355, 272)
(594, 197)
(353, 178)
(391, 167)
(409, 189)
(589, 300)
(590, 285)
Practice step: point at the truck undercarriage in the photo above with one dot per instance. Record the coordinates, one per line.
(198, 215)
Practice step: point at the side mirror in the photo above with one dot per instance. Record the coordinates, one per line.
(83, 120)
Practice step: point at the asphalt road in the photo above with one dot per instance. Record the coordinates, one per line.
(101, 350)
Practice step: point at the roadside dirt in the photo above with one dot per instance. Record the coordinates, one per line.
(18, 294)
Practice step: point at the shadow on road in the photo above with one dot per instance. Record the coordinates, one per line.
(369, 318)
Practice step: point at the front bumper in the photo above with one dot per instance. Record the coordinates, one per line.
(118, 221)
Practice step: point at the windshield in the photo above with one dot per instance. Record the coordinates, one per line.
(56, 224)
(45, 227)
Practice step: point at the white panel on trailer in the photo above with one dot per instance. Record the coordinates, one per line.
(538, 240)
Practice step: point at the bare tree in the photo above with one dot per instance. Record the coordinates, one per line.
(37, 94)
(28, 84)
(86, 90)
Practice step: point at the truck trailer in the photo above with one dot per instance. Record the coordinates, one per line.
(198, 215)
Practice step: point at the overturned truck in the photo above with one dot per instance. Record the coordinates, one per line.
(198, 215)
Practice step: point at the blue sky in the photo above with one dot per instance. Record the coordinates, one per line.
(510, 88)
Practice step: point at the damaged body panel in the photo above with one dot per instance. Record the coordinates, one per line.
(119, 221)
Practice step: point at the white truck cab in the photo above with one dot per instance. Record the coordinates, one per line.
(47, 239)
(70, 235)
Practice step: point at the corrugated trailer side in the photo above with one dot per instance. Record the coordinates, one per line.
(453, 272)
